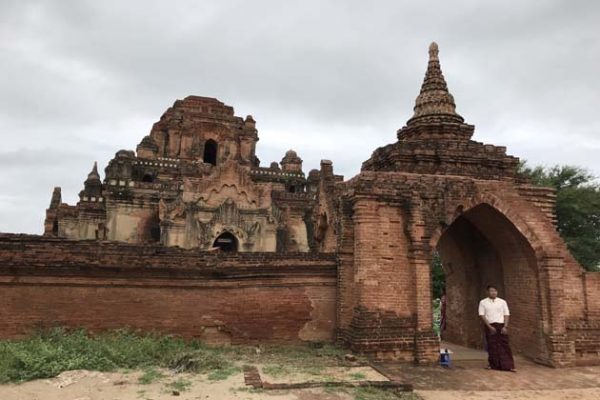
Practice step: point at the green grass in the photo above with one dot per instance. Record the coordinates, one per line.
(46, 354)
(437, 315)
(276, 370)
(310, 359)
(359, 376)
(180, 385)
(372, 393)
(149, 376)
(223, 373)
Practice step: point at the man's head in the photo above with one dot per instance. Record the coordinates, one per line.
(492, 291)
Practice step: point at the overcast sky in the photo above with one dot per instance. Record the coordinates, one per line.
(80, 80)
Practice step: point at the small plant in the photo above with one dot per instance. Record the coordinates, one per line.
(149, 376)
(276, 370)
(373, 393)
(359, 376)
(221, 374)
(180, 385)
(200, 361)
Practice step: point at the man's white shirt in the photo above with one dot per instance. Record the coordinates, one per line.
(493, 310)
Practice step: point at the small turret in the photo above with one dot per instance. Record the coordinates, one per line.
(92, 185)
(56, 198)
(249, 123)
(291, 162)
(51, 221)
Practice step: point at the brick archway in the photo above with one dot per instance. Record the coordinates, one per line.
(482, 246)
(437, 185)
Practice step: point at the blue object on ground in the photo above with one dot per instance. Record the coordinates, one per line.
(445, 360)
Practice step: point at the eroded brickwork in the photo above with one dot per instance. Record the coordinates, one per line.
(256, 297)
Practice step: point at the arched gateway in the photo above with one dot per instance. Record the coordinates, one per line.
(436, 189)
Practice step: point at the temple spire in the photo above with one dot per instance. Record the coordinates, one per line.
(434, 103)
(94, 175)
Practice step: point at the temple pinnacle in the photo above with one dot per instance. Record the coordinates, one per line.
(433, 51)
(434, 101)
(94, 173)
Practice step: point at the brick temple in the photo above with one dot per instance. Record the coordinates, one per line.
(189, 235)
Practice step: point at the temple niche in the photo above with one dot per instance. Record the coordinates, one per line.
(195, 182)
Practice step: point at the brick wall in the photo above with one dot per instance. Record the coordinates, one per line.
(398, 219)
(242, 298)
(592, 294)
(586, 339)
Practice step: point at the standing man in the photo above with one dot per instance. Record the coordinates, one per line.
(494, 314)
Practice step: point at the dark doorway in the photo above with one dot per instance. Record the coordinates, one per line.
(210, 152)
(148, 178)
(483, 247)
(226, 242)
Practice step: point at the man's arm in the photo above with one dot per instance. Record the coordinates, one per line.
(484, 319)
(487, 324)
(504, 330)
(506, 319)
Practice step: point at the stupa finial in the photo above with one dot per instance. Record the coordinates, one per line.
(433, 51)
(434, 100)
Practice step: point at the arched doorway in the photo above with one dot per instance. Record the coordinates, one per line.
(210, 152)
(226, 242)
(483, 247)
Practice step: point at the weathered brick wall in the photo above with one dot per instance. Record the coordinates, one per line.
(380, 310)
(586, 339)
(243, 298)
(346, 300)
(542, 282)
(592, 294)
(585, 333)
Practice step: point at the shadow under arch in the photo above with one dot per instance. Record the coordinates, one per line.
(480, 247)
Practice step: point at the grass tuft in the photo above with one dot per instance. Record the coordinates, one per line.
(358, 376)
(180, 385)
(149, 376)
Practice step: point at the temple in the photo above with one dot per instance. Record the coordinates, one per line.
(195, 182)
(191, 236)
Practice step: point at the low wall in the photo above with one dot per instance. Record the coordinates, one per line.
(586, 340)
(239, 298)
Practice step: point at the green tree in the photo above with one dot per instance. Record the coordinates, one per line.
(577, 208)
(438, 277)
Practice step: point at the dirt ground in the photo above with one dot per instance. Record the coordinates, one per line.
(90, 385)
(467, 380)
(564, 394)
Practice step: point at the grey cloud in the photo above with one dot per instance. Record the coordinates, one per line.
(81, 79)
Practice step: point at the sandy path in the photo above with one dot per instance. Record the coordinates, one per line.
(564, 394)
(90, 385)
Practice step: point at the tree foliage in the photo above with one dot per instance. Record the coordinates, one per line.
(577, 208)
(438, 278)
